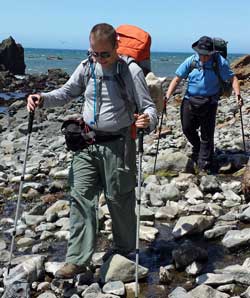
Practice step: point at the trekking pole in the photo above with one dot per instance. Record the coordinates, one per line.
(159, 135)
(30, 124)
(138, 206)
(242, 130)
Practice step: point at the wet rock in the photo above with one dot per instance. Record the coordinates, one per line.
(236, 238)
(47, 294)
(130, 289)
(207, 292)
(62, 174)
(46, 235)
(41, 248)
(17, 289)
(188, 225)
(45, 227)
(92, 289)
(218, 231)
(114, 287)
(4, 256)
(57, 73)
(246, 182)
(167, 212)
(23, 242)
(213, 279)
(120, 268)
(61, 286)
(146, 214)
(38, 209)
(63, 223)
(215, 209)
(31, 220)
(62, 235)
(194, 193)
(184, 181)
(194, 269)
(246, 294)
(57, 207)
(209, 184)
(187, 253)
(43, 286)
(245, 215)
(37, 186)
(52, 267)
(97, 258)
(30, 270)
(2, 244)
(165, 277)
(179, 292)
(232, 199)
(148, 233)
(169, 192)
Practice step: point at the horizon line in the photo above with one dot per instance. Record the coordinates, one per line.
(152, 51)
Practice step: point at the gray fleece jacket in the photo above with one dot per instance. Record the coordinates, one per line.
(108, 106)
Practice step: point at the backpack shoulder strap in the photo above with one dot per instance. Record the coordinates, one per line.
(193, 65)
(89, 67)
(216, 66)
(121, 82)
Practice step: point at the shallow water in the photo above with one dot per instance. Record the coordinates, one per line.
(152, 256)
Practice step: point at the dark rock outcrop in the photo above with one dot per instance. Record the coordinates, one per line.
(241, 68)
(246, 182)
(12, 56)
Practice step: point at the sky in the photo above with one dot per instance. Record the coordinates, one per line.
(173, 25)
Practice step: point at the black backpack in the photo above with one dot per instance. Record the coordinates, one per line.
(220, 47)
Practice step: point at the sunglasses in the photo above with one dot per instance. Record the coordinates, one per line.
(104, 55)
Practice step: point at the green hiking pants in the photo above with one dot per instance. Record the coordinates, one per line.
(109, 167)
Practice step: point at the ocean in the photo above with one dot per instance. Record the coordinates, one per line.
(39, 61)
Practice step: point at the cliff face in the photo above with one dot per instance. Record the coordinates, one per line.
(241, 68)
(12, 56)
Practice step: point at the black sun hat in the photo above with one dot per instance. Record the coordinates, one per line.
(204, 46)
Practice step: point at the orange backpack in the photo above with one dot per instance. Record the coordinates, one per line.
(134, 42)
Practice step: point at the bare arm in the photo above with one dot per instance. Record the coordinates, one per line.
(236, 88)
(172, 86)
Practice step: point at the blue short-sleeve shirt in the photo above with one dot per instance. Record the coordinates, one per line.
(202, 80)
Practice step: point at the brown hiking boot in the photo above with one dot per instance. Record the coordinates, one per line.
(69, 271)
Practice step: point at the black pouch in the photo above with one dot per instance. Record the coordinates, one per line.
(226, 89)
(199, 104)
(78, 135)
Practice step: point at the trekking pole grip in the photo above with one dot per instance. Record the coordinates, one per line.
(140, 141)
(31, 116)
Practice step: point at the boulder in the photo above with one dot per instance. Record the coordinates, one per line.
(241, 67)
(120, 268)
(246, 182)
(155, 86)
(12, 56)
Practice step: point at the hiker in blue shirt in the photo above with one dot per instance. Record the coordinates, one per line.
(198, 109)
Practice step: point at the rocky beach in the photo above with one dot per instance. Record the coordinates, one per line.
(194, 229)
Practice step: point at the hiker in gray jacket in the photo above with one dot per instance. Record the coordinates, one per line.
(116, 96)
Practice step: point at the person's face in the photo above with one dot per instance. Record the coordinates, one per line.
(204, 58)
(103, 51)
